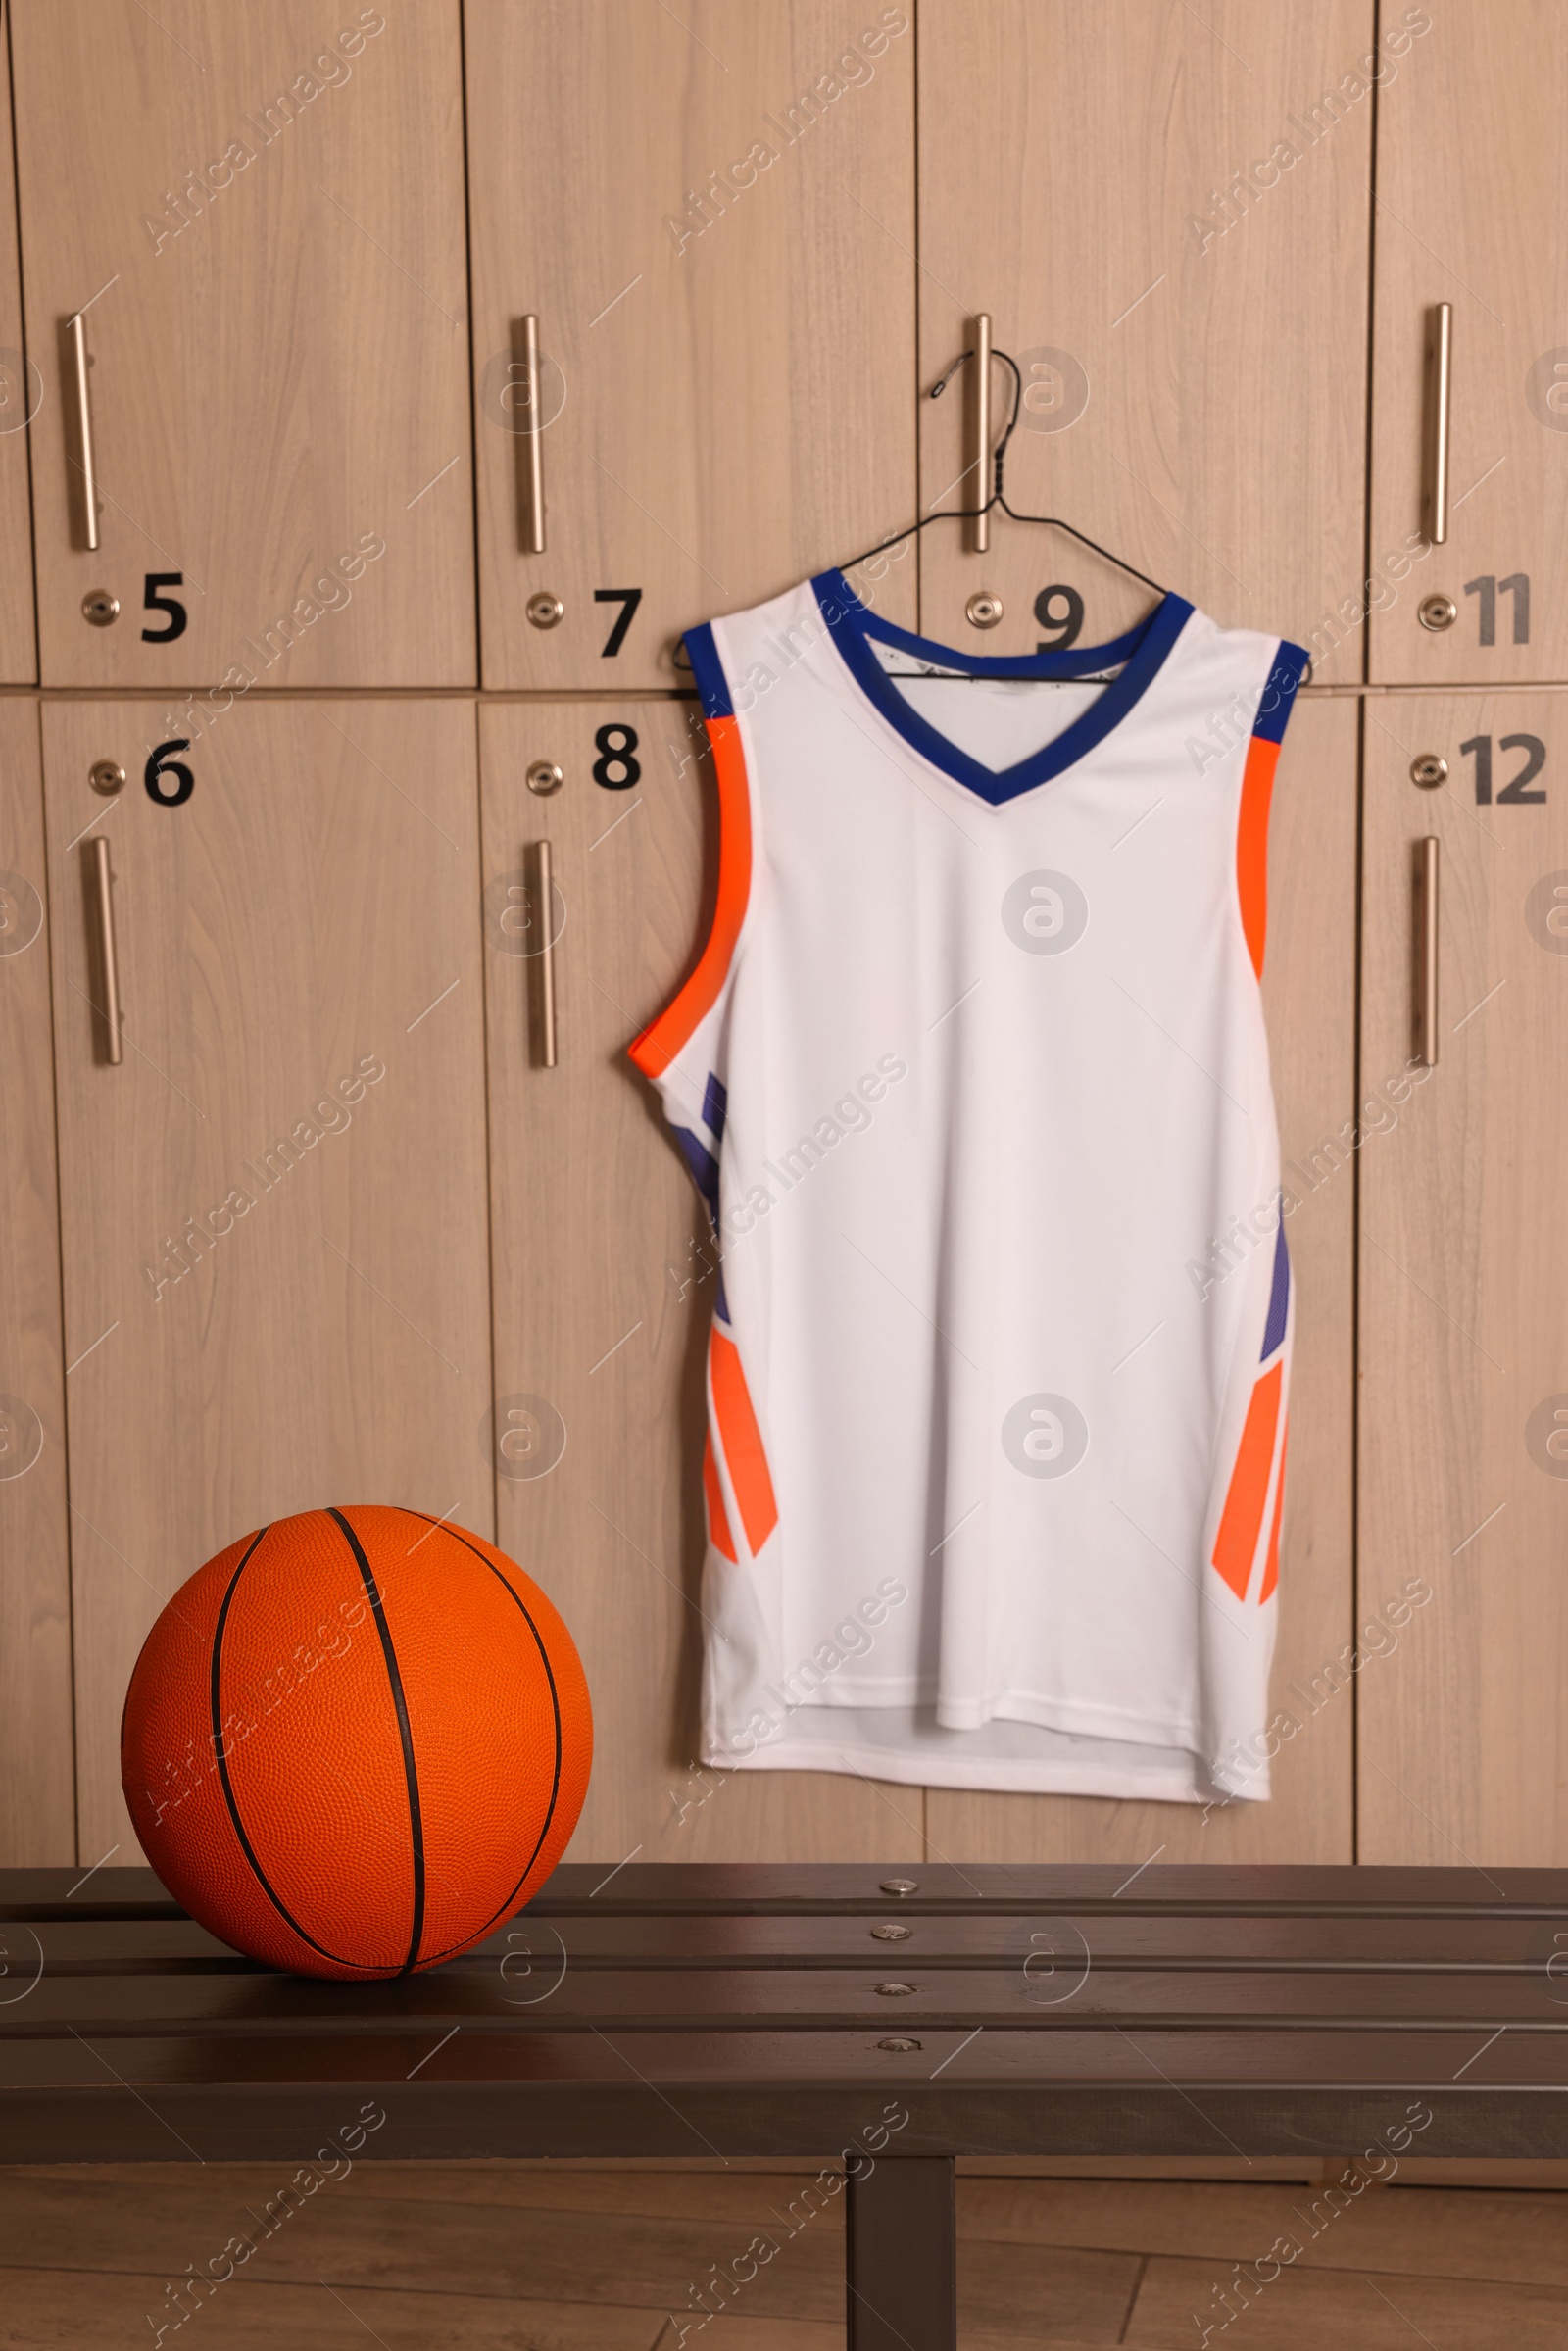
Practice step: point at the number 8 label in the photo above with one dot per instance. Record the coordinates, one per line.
(617, 746)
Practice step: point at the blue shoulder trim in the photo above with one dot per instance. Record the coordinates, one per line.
(708, 671)
(1278, 698)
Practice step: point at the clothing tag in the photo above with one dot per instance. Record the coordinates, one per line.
(909, 671)
(1026, 685)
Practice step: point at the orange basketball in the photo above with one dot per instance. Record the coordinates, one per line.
(356, 1742)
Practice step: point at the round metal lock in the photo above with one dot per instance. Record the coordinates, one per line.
(100, 607)
(983, 609)
(544, 776)
(895, 1991)
(545, 610)
(1429, 770)
(899, 2045)
(1436, 611)
(107, 777)
(893, 1934)
(899, 1886)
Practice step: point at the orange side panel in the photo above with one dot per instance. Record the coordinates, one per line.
(1235, 1543)
(1252, 845)
(663, 1039)
(722, 1539)
(1271, 1572)
(741, 1441)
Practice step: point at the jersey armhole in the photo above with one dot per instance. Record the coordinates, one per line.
(663, 1041)
(1274, 706)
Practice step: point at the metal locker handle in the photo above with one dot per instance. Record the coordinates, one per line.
(1426, 1005)
(981, 468)
(544, 894)
(76, 332)
(106, 957)
(531, 486)
(1440, 362)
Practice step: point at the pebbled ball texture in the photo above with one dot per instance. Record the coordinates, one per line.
(356, 1742)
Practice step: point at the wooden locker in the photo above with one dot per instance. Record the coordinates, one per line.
(1175, 255)
(710, 213)
(259, 214)
(1309, 998)
(1470, 206)
(603, 1277)
(21, 388)
(1463, 1477)
(274, 1209)
(37, 1791)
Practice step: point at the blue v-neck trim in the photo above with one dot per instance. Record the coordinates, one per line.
(1143, 650)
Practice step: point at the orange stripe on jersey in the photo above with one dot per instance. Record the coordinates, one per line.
(1251, 844)
(718, 1534)
(1271, 1573)
(661, 1039)
(741, 1441)
(1235, 1543)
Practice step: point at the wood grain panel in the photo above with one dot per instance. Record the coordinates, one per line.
(137, 2213)
(1471, 190)
(59, 2310)
(1177, 2298)
(1192, 339)
(20, 386)
(303, 1075)
(1309, 998)
(1464, 1266)
(260, 212)
(602, 1291)
(38, 1782)
(1499, 2236)
(711, 212)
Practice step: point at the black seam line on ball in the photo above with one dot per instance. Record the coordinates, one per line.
(222, 1754)
(405, 1733)
(505, 1909)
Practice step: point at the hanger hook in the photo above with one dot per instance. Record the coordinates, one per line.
(937, 389)
(997, 460)
(998, 454)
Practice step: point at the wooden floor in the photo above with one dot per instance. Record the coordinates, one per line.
(570, 2257)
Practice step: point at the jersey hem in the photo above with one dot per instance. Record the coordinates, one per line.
(1010, 1778)
(1007, 1706)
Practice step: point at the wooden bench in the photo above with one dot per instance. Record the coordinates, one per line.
(884, 2021)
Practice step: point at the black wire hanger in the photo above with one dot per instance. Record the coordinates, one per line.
(969, 513)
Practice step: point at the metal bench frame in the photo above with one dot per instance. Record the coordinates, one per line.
(885, 2021)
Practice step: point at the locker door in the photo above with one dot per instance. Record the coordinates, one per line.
(257, 214)
(1465, 1281)
(272, 1209)
(1472, 190)
(1166, 214)
(604, 1279)
(20, 387)
(37, 1802)
(709, 212)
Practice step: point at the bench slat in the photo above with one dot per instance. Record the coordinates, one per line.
(550, 2001)
(814, 1938)
(1432, 2058)
(748, 1890)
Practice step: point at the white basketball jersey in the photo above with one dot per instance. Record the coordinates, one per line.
(972, 1074)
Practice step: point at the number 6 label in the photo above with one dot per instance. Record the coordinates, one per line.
(166, 779)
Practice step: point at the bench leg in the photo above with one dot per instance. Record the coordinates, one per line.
(902, 2256)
